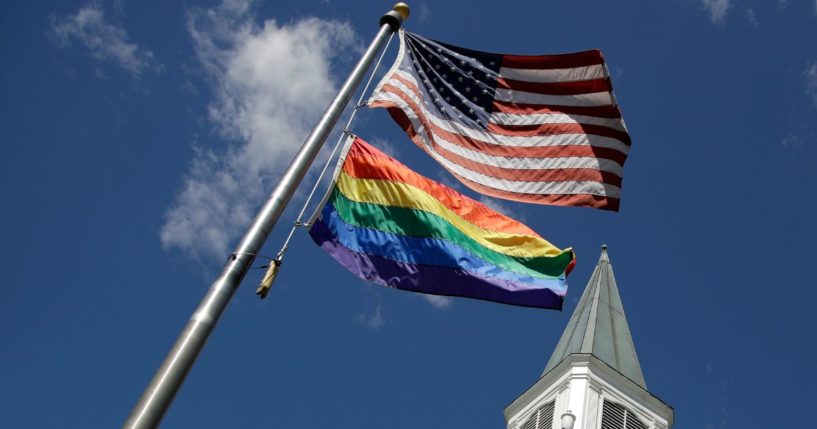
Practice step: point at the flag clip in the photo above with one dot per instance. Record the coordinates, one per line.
(266, 283)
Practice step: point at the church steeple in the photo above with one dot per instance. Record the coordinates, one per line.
(593, 376)
(598, 326)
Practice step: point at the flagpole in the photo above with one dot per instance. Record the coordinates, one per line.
(155, 400)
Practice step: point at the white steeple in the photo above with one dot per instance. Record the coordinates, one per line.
(593, 376)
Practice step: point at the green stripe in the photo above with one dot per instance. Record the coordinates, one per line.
(418, 223)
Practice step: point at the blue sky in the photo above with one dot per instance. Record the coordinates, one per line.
(140, 137)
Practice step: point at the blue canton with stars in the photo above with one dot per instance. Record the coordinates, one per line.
(458, 83)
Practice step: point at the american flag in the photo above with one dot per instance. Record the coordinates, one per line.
(541, 129)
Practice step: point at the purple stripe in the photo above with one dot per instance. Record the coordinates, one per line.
(431, 279)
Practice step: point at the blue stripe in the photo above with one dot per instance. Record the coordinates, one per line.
(427, 251)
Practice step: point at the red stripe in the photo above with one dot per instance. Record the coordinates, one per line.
(555, 129)
(526, 175)
(557, 88)
(581, 200)
(529, 151)
(561, 61)
(521, 109)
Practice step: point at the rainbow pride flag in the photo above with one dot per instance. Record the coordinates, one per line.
(389, 225)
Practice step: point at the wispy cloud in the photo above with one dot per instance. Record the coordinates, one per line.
(811, 82)
(717, 9)
(752, 18)
(269, 82)
(503, 207)
(386, 146)
(424, 13)
(375, 319)
(104, 41)
(438, 302)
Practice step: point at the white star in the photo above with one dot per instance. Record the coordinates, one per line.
(470, 72)
(475, 99)
(467, 89)
(484, 91)
(462, 62)
(459, 78)
(437, 67)
(490, 63)
(470, 110)
(453, 68)
(445, 75)
(435, 79)
(447, 98)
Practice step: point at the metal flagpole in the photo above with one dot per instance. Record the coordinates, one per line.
(158, 395)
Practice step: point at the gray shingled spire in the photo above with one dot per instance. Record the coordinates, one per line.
(598, 326)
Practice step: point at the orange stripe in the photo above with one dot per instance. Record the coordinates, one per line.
(366, 162)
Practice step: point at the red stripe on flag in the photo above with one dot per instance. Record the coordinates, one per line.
(612, 112)
(561, 61)
(557, 88)
(529, 175)
(584, 200)
(529, 151)
(556, 129)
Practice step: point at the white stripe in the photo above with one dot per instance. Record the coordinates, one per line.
(595, 71)
(498, 139)
(593, 163)
(585, 100)
(395, 67)
(543, 188)
(503, 118)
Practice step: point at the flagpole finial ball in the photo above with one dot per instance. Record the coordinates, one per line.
(402, 9)
(603, 247)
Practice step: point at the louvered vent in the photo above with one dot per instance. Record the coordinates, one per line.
(546, 416)
(542, 418)
(615, 416)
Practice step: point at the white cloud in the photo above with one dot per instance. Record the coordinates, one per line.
(375, 320)
(717, 9)
(502, 207)
(811, 82)
(438, 302)
(494, 204)
(424, 13)
(270, 83)
(386, 147)
(106, 42)
(750, 16)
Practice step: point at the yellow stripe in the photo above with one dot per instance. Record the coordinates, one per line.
(389, 193)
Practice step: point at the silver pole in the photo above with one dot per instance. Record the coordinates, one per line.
(158, 395)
